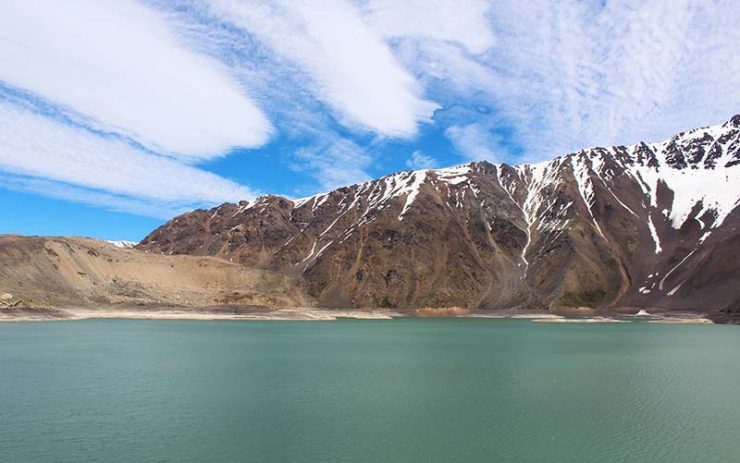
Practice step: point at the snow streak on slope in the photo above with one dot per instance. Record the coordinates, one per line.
(419, 178)
(537, 177)
(509, 189)
(654, 234)
(582, 173)
(598, 163)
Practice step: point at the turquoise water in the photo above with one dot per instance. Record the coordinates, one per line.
(411, 390)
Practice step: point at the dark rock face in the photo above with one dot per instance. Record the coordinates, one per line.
(649, 225)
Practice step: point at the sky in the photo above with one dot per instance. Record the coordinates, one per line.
(116, 115)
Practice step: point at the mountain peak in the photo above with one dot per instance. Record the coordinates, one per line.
(734, 121)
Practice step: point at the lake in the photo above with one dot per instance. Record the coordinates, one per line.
(407, 390)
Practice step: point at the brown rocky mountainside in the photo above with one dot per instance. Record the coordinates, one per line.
(63, 272)
(647, 225)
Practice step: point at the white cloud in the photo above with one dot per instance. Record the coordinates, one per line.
(571, 74)
(334, 163)
(119, 64)
(473, 141)
(347, 64)
(113, 202)
(101, 169)
(453, 75)
(420, 161)
(464, 23)
(524, 80)
(563, 75)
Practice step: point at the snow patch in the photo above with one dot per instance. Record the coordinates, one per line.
(654, 234)
(453, 175)
(660, 285)
(673, 291)
(716, 188)
(419, 178)
(122, 243)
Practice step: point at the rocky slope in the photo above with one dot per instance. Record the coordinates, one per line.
(62, 272)
(647, 225)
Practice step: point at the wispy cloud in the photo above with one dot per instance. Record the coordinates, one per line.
(568, 75)
(346, 64)
(37, 147)
(419, 161)
(119, 63)
(463, 23)
(98, 198)
(563, 75)
(474, 142)
(334, 164)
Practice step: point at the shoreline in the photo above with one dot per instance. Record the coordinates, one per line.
(226, 313)
(296, 314)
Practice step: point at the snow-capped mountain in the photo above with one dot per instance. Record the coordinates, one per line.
(649, 225)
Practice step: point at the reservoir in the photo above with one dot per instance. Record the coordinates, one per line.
(405, 390)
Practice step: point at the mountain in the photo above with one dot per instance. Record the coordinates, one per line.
(43, 272)
(650, 225)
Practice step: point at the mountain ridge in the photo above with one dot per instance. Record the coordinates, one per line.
(643, 225)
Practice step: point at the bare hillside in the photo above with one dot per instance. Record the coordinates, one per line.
(63, 272)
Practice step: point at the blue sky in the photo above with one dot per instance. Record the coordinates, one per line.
(116, 115)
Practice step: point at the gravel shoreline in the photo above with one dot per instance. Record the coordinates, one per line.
(300, 314)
